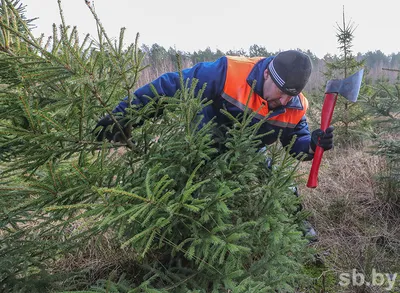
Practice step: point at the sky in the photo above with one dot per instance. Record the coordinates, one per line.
(231, 25)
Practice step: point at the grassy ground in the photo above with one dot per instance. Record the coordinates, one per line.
(358, 227)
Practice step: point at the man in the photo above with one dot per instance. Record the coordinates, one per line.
(278, 82)
(277, 95)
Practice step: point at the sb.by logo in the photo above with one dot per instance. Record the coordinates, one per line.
(377, 279)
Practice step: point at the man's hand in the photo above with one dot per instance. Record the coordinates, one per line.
(324, 139)
(106, 128)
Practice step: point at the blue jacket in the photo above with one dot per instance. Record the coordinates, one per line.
(214, 74)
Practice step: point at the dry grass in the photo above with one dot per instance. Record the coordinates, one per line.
(357, 228)
(101, 258)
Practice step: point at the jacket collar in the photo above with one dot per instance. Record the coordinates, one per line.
(257, 74)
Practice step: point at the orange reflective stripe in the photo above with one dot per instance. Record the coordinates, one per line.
(264, 110)
(238, 92)
(236, 87)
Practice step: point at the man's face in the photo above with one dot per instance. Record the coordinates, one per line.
(272, 94)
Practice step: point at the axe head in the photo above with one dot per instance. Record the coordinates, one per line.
(348, 87)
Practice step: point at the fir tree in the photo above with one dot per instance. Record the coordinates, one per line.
(350, 118)
(384, 105)
(196, 219)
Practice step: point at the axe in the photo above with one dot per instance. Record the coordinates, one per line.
(348, 88)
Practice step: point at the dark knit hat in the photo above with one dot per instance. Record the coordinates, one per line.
(290, 71)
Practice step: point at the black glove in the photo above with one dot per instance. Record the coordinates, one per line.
(324, 139)
(106, 128)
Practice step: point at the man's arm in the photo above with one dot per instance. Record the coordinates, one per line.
(211, 73)
(302, 142)
(305, 142)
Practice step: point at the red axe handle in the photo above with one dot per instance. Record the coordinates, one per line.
(326, 118)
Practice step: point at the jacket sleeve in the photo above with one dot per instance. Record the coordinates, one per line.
(211, 73)
(302, 141)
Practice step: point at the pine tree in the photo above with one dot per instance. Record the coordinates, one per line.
(350, 118)
(384, 105)
(259, 51)
(195, 218)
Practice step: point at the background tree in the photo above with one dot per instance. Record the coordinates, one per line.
(259, 51)
(349, 118)
(205, 55)
(235, 52)
(384, 105)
